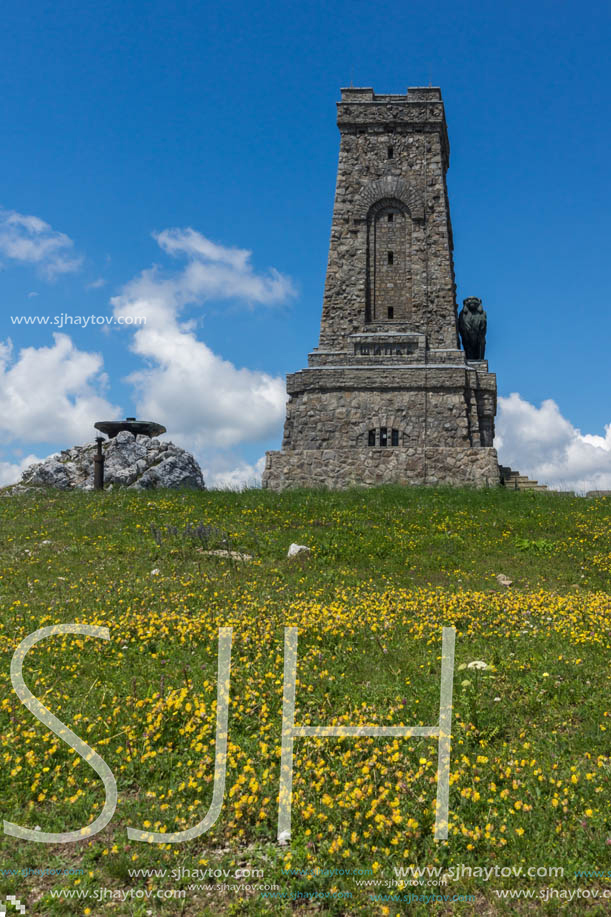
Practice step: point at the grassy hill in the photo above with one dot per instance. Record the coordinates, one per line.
(388, 569)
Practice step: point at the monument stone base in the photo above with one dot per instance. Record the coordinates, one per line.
(338, 469)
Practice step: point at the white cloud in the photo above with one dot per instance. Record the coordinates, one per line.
(544, 445)
(10, 472)
(220, 272)
(96, 284)
(203, 399)
(198, 394)
(29, 240)
(52, 394)
(211, 272)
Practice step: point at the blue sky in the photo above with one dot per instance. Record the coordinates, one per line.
(125, 125)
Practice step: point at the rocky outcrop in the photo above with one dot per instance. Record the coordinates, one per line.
(135, 462)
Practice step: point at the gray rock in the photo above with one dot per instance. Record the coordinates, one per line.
(231, 555)
(296, 549)
(138, 463)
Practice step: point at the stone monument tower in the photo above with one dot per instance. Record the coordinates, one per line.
(388, 395)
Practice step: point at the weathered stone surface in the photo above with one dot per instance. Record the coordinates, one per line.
(388, 395)
(393, 158)
(337, 469)
(136, 462)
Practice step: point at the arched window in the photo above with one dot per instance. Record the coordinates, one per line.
(388, 262)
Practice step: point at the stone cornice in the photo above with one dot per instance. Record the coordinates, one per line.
(420, 111)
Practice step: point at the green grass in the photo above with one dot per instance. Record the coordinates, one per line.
(388, 568)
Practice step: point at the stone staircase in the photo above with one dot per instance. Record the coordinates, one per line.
(516, 481)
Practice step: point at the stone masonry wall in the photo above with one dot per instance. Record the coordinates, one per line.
(413, 175)
(337, 469)
(335, 408)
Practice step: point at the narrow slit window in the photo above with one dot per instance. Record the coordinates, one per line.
(391, 257)
(391, 152)
(391, 312)
(391, 217)
(394, 438)
(372, 438)
(383, 436)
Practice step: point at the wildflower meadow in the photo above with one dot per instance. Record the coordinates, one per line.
(388, 568)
